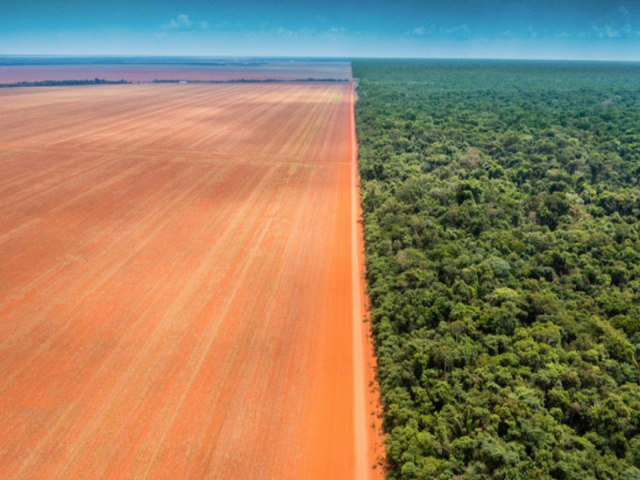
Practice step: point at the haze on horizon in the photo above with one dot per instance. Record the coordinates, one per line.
(542, 29)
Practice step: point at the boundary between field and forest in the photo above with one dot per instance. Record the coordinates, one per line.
(369, 436)
(102, 81)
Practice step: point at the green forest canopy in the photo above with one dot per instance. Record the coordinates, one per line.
(501, 206)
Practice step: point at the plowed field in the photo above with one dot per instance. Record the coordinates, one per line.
(177, 283)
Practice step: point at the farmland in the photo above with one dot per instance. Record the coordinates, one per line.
(188, 71)
(178, 283)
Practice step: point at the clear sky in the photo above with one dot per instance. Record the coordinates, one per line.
(575, 29)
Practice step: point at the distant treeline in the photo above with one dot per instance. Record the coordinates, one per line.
(502, 228)
(101, 81)
(260, 80)
(64, 83)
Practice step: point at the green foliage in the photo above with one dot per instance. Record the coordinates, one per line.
(501, 205)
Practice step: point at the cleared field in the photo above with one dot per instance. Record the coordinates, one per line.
(144, 73)
(177, 283)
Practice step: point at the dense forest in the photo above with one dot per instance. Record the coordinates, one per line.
(501, 213)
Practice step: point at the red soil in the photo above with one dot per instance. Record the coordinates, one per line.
(146, 73)
(176, 283)
(369, 402)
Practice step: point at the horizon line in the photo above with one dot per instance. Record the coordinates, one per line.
(316, 57)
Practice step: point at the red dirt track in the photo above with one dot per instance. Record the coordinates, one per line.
(177, 284)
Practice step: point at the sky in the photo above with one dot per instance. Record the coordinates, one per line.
(545, 29)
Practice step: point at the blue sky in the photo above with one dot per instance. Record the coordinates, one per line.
(586, 29)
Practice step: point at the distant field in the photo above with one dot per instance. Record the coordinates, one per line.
(176, 291)
(275, 70)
